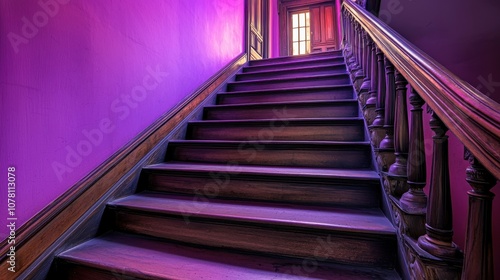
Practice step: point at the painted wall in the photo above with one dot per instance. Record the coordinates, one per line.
(81, 78)
(465, 38)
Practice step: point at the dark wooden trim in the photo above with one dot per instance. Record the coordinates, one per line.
(252, 54)
(470, 115)
(41, 231)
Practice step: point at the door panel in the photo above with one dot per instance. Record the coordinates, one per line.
(315, 25)
(323, 28)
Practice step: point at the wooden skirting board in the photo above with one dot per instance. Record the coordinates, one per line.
(81, 207)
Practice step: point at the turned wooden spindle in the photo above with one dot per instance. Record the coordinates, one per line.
(478, 254)
(379, 65)
(372, 100)
(390, 97)
(352, 44)
(399, 167)
(355, 60)
(359, 39)
(365, 86)
(438, 239)
(415, 200)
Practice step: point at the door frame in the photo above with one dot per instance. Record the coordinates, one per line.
(285, 9)
(251, 54)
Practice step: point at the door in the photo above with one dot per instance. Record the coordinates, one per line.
(317, 17)
(258, 26)
(323, 37)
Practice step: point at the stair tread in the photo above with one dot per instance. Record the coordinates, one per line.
(290, 121)
(333, 87)
(305, 144)
(292, 69)
(305, 77)
(314, 102)
(143, 257)
(306, 57)
(324, 173)
(352, 220)
(286, 63)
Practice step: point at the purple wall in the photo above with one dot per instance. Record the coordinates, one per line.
(465, 38)
(81, 78)
(274, 29)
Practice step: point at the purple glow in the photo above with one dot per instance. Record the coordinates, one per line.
(94, 74)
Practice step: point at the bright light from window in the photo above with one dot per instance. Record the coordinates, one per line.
(301, 33)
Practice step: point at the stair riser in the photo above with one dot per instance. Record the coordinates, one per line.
(276, 66)
(258, 187)
(317, 245)
(301, 59)
(253, 153)
(279, 112)
(302, 95)
(287, 83)
(276, 130)
(70, 271)
(292, 73)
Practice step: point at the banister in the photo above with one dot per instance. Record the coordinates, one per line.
(470, 115)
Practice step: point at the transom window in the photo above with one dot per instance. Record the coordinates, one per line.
(301, 33)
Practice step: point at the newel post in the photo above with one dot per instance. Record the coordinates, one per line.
(478, 254)
(438, 239)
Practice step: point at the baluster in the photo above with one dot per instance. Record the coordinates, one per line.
(365, 86)
(372, 101)
(478, 259)
(344, 29)
(359, 73)
(400, 128)
(439, 231)
(350, 34)
(415, 200)
(390, 96)
(354, 66)
(379, 119)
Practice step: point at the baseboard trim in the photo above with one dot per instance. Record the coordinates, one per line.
(42, 231)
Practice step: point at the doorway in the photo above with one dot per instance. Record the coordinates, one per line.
(308, 26)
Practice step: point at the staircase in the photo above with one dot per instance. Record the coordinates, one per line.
(276, 182)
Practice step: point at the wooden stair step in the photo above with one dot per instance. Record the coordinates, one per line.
(319, 186)
(296, 58)
(303, 81)
(330, 154)
(283, 110)
(147, 258)
(331, 129)
(269, 228)
(275, 65)
(292, 72)
(287, 94)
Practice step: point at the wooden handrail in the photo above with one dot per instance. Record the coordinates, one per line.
(470, 115)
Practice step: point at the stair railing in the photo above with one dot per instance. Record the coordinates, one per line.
(382, 64)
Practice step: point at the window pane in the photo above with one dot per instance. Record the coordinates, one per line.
(308, 33)
(302, 48)
(302, 33)
(295, 48)
(295, 20)
(307, 19)
(302, 19)
(295, 35)
(308, 47)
